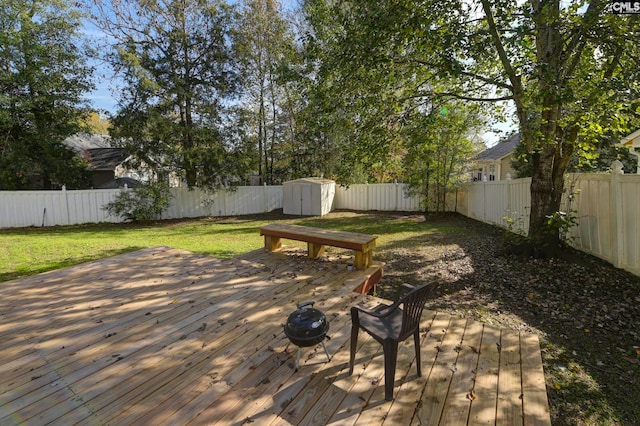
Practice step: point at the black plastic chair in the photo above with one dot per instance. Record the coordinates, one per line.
(390, 325)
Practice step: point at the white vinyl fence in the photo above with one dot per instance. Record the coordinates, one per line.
(66, 207)
(607, 208)
(381, 196)
(49, 208)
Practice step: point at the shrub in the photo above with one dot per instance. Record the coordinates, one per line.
(146, 202)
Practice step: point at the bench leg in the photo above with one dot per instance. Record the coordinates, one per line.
(315, 250)
(272, 243)
(363, 259)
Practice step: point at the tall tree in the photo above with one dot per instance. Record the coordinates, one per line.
(268, 59)
(571, 68)
(43, 75)
(354, 108)
(572, 72)
(440, 150)
(174, 57)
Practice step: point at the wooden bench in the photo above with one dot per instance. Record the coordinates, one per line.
(316, 239)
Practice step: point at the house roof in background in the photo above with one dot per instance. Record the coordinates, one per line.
(500, 150)
(632, 139)
(97, 150)
(105, 158)
(83, 141)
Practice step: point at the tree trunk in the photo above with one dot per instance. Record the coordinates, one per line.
(547, 179)
(546, 194)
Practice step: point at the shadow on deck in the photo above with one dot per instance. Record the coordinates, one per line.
(164, 336)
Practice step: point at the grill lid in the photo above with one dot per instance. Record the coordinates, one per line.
(306, 326)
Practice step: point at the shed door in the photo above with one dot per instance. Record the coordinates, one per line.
(306, 200)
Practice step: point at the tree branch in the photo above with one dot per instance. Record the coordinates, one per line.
(576, 43)
(516, 82)
(482, 78)
(473, 98)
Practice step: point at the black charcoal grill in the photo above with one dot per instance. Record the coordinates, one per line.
(306, 327)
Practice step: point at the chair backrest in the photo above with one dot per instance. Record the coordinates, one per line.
(412, 307)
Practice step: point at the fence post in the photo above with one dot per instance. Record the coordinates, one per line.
(484, 199)
(397, 196)
(265, 199)
(66, 203)
(367, 190)
(617, 234)
(224, 202)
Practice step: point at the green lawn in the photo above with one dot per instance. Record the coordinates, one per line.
(28, 251)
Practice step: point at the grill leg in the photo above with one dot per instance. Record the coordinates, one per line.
(326, 352)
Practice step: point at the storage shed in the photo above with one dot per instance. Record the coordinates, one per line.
(308, 196)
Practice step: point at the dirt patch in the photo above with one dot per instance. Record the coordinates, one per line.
(586, 312)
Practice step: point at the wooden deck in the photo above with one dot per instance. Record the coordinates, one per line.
(163, 336)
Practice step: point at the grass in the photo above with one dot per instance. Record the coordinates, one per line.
(28, 251)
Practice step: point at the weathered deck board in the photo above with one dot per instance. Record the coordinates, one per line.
(163, 336)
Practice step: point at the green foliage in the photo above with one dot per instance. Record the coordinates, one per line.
(561, 223)
(143, 203)
(589, 158)
(356, 102)
(514, 234)
(270, 67)
(570, 69)
(440, 148)
(175, 61)
(42, 80)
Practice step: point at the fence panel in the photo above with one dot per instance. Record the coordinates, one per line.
(355, 197)
(629, 229)
(86, 206)
(66, 207)
(187, 203)
(49, 208)
(491, 202)
(592, 207)
(608, 214)
(382, 196)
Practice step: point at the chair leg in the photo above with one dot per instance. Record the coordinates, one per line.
(354, 343)
(416, 341)
(390, 349)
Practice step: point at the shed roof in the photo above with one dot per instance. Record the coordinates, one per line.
(501, 149)
(315, 180)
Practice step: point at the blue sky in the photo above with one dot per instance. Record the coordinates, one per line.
(101, 98)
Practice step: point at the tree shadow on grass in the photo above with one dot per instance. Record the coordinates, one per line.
(34, 270)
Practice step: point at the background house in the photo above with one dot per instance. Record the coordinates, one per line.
(632, 143)
(495, 163)
(105, 161)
